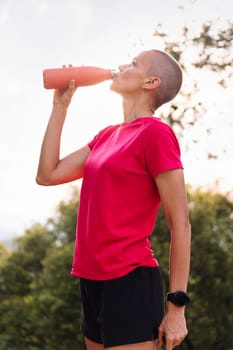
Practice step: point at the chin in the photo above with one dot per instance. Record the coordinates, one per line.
(113, 87)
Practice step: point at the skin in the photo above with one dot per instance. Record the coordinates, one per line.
(142, 90)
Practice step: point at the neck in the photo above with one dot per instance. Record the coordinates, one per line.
(133, 111)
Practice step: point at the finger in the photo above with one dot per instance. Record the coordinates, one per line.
(72, 84)
(174, 342)
(160, 339)
(169, 344)
(71, 88)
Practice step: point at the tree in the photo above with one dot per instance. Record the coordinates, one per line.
(40, 305)
(63, 224)
(24, 264)
(17, 273)
(56, 293)
(211, 274)
(3, 253)
(57, 298)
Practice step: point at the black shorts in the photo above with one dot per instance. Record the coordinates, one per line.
(125, 310)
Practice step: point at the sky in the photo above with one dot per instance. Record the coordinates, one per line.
(40, 34)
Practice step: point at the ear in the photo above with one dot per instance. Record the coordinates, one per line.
(151, 83)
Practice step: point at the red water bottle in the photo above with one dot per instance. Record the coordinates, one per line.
(59, 78)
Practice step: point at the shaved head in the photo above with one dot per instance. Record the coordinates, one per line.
(165, 67)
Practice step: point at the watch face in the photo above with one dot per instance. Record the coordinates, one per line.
(178, 298)
(181, 298)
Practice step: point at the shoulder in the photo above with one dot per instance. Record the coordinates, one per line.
(159, 130)
(157, 124)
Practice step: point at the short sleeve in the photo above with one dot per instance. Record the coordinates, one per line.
(162, 150)
(94, 140)
(101, 134)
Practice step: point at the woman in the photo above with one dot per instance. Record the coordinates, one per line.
(128, 170)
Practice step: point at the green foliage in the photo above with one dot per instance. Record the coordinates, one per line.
(211, 274)
(40, 300)
(210, 42)
(57, 297)
(212, 46)
(20, 269)
(3, 253)
(64, 224)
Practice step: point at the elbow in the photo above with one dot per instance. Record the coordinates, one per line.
(42, 181)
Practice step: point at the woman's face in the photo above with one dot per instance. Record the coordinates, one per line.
(131, 77)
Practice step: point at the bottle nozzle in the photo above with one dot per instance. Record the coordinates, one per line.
(114, 73)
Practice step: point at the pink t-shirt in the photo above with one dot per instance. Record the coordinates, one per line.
(119, 199)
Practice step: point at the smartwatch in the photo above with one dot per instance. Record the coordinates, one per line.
(178, 298)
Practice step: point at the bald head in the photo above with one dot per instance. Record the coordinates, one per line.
(165, 67)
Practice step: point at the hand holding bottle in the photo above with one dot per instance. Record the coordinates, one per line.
(63, 97)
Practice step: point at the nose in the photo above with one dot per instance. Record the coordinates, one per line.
(122, 67)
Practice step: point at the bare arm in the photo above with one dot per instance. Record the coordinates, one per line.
(173, 197)
(51, 169)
